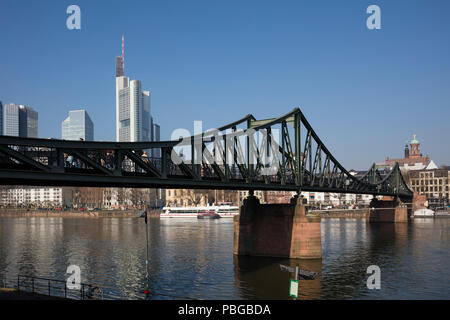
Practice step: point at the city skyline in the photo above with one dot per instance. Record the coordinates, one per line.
(230, 137)
(247, 66)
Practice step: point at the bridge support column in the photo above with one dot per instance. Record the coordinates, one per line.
(277, 230)
(387, 211)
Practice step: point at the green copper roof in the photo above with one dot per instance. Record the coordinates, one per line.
(414, 141)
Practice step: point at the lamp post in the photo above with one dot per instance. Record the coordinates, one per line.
(146, 260)
(143, 214)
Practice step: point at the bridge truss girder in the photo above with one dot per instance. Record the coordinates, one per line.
(234, 156)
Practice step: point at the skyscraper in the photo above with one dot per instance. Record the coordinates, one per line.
(78, 125)
(132, 107)
(120, 62)
(119, 66)
(11, 120)
(28, 122)
(156, 153)
(20, 121)
(133, 120)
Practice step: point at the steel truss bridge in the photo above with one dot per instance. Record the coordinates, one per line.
(235, 156)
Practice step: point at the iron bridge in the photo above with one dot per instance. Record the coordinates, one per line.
(234, 156)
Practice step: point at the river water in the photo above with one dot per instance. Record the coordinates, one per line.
(193, 259)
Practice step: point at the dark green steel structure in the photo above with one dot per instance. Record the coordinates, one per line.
(299, 162)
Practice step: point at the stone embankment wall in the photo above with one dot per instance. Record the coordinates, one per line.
(342, 213)
(23, 213)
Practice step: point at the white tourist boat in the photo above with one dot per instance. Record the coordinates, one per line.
(424, 213)
(442, 212)
(225, 211)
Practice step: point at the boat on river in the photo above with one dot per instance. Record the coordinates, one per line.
(424, 213)
(208, 215)
(223, 211)
(442, 212)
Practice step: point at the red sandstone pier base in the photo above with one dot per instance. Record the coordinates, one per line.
(388, 211)
(277, 230)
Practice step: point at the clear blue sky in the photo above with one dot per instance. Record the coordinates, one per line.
(364, 91)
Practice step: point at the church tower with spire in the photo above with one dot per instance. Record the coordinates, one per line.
(412, 160)
(414, 148)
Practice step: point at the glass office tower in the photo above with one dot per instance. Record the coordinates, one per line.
(28, 122)
(19, 121)
(78, 125)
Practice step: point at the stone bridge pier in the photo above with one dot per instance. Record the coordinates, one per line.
(391, 210)
(277, 230)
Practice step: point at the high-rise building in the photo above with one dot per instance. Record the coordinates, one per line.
(156, 153)
(132, 108)
(120, 62)
(133, 123)
(28, 122)
(20, 121)
(78, 125)
(11, 120)
(119, 66)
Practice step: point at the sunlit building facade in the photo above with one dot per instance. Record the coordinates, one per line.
(78, 125)
(19, 121)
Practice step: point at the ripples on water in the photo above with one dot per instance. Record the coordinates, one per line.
(194, 259)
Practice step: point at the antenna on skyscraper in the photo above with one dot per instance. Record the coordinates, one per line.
(123, 48)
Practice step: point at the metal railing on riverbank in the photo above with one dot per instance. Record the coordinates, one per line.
(57, 288)
(52, 288)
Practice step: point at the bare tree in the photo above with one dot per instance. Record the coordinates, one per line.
(194, 196)
(76, 197)
(120, 196)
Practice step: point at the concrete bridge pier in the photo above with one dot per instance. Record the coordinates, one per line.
(392, 210)
(277, 230)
